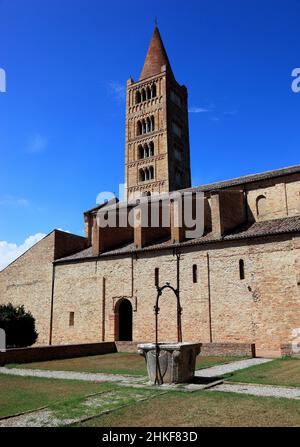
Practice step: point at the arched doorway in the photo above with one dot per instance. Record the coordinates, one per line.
(123, 320)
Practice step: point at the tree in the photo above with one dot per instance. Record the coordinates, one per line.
(19, 326)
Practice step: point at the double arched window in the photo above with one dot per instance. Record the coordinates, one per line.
(146, 125)
(146, 174)
(146, 150)
(145, 94)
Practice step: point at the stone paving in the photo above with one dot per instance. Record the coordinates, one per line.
(72, 375)
(220, 370)
(259, 390)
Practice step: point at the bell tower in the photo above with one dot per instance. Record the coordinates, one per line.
(157, 153)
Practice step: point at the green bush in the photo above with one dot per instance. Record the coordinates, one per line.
(19, 326)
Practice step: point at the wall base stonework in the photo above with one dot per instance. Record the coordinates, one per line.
(44, 353)
(59, 352)
(288, 351)
(214, 349)
(228, 349)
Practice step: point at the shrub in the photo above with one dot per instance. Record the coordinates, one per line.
(19, 326)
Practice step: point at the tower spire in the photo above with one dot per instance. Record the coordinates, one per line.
(156, 57)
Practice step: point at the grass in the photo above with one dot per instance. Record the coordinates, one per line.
(116, 363)
(67, 400)
(19, 394)
(78, 408)
(284, 372)
(203, 409)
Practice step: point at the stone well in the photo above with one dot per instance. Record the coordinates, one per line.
(176, 361)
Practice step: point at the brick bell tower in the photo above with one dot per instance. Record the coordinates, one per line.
(157, 157)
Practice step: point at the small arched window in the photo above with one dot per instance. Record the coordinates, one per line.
(144, 127)
(242, 269)
(144, 97)
(261, 205)
(156, 275)
(195, 273)
(71, 319)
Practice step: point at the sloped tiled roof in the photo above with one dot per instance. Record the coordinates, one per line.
(257, 229)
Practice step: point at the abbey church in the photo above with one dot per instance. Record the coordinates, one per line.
(239, 282)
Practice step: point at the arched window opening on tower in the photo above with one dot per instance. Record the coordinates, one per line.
(153, 89)
(148, 125)
(139, 128)
(142, 175)
(151, 149)
(242, 269)
(138, 97)
(151, 173)
(145, 94)
(261, 203)
(146, 151)
(140, 151)
(152, 124)
(146, 174)
(195, 273)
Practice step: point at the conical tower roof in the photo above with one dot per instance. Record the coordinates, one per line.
(156, 57)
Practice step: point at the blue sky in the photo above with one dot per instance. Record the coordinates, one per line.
(62, 118)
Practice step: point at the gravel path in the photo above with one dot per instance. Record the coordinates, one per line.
(259, 390)
(71, 375)
(220, 370)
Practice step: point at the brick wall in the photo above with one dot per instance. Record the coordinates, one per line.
(263, 308)
(28, 280)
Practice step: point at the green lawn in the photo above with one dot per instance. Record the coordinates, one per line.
(18, 394)
(66, 400)
(203, 409)
(285, 372)
(117, 363)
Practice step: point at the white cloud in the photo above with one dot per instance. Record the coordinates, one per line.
(8, 200)
(37, 143)
(117, 89)
(198, 110)
(9, 251)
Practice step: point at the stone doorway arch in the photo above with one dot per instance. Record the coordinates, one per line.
(123, 320)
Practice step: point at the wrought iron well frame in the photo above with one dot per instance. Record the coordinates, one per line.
(158, 375)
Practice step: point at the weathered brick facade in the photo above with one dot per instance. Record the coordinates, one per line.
(239, 282)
